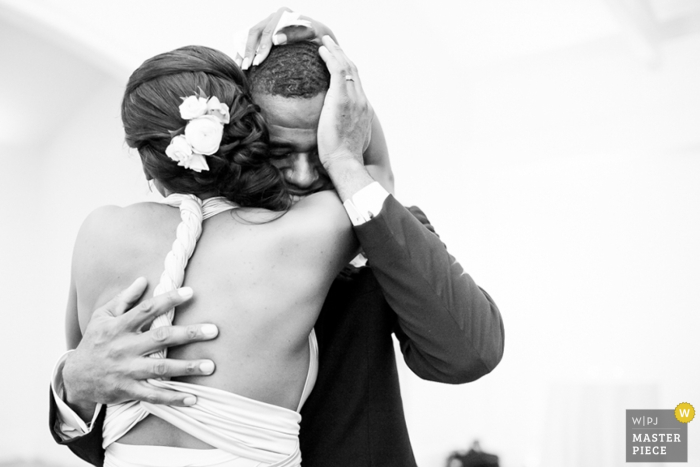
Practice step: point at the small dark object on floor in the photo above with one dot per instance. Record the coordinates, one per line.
(475, 457)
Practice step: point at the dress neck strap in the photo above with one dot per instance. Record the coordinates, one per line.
(210, 206)
(216, 205)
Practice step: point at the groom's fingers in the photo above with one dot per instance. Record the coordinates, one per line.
(145, 312)
(346, 115)
(153, 368)
(172, 336)
(344, 75)
(142, 391)
(329, 52)
(124, 300)
(337, 62)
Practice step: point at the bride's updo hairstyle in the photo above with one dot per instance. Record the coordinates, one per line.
(241, 169)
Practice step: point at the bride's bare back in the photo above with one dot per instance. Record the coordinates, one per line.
(259, 277)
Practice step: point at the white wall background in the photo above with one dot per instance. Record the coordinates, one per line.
(554, 144)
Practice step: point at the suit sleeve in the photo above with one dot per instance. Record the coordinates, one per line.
(450, 330)
(87, 447)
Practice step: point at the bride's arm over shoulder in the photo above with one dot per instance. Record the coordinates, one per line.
(323, 228)
(109, 227)
(92, 236)
(100, 230)
(99, 222)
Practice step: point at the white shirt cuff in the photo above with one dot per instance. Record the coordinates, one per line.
(70, 425)
(366, 203)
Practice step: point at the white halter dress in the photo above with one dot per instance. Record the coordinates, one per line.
(244, 432)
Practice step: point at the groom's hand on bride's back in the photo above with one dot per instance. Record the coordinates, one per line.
(111, 365)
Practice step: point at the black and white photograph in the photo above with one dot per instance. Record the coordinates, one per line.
(350, 234)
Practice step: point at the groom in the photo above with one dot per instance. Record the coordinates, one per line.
(449, 329)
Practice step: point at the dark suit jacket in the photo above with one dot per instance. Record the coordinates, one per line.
(449, 330)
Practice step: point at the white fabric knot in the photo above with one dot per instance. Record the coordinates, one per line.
(187, 234)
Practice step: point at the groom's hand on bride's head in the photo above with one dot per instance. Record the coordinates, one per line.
(261, 39)
(110, 364)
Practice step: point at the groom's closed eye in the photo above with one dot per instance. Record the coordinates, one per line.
(280, 151)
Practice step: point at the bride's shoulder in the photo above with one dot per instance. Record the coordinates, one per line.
(318, 215)
(319, 231)
(108, 224)
(316, 205)
(307, 213)
(111, 214)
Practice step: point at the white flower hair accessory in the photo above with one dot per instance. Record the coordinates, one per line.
(202, 135)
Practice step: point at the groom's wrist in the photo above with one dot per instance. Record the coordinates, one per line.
(69, 423)
(72, 396)
(366, 204)
(348, 176)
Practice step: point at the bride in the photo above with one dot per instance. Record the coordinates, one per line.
(227, 228)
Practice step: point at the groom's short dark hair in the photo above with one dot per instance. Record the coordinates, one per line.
(293, 70)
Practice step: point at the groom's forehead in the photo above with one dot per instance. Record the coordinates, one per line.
(291, 112)
(296, 139)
